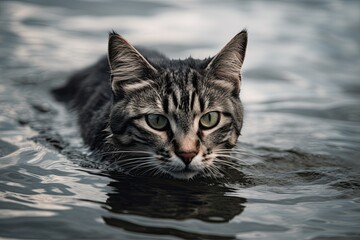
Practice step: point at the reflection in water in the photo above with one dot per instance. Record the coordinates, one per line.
(301, 133)
(167, 199)
(163, 198)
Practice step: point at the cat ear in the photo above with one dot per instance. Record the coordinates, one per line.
(226, 65)
(129, 69)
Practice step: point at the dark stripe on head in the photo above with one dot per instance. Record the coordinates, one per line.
(195, 82)
(226, 128)
(202, 104)
(226, 114)
(192, 102)
(146, 134)
(166, 104)
(227, 144)
(223, 132)
(168, 88)
(142, 139)
(175, 101)
(126, 81)
(170, 133)
(200, 136)
(185, 101)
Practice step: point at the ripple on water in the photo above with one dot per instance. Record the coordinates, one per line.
(299, 150)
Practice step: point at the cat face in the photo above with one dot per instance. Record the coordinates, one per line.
(176, 117)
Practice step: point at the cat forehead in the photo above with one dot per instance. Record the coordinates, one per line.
(181, 79)
(179, 89)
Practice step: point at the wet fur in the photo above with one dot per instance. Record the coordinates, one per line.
(109, 99)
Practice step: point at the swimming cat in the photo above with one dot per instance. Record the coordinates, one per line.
(154, 115)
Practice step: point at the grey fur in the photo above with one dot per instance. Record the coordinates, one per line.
(112, 114)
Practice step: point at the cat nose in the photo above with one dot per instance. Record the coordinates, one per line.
(186, 157)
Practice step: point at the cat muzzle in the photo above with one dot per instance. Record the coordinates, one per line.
(186, 157)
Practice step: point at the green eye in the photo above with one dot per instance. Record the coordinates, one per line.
(157, 121)
(210, 120)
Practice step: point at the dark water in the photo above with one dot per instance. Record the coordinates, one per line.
(300, 165)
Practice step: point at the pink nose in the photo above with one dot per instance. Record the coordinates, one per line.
(186, 157)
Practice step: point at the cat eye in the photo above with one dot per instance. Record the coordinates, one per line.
(157, 121)
(210, 120)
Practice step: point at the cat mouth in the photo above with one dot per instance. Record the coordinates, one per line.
(184, 170)
(184, 173)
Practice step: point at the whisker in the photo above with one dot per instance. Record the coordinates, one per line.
(123, 162)
(120, 151)
(141, 166)
(130, 164)
(204, 172)
(135, 158)
(232, 157)
(136, 161)
(232, 149)
(222, 163)
(212, 171)
(216, 171)
(152, 170)
(237, 152)
(159, 171)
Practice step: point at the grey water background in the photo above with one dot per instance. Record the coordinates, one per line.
(299, 175)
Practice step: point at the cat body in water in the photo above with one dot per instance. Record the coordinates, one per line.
(153, 115)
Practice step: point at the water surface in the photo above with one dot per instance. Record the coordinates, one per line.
(300, 143)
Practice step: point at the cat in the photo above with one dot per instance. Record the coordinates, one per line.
(153, 115)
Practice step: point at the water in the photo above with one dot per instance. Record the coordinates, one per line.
(300, 140)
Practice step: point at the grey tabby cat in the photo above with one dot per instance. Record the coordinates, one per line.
(176, 118)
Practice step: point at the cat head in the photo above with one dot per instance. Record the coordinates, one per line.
(177, 117)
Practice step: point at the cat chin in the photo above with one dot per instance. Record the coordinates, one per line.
(183, 174)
